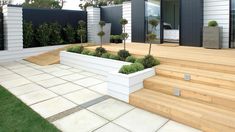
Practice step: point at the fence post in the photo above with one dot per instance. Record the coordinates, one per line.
(13, 27)
(126, 11)
(93, 18)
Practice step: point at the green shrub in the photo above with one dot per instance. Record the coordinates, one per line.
(139, 60)
(92, 53)
(128, 69)
(114, 57)
(55, 36)
(85, 52)
(99, 51)
(149, 61)
(123, 54)
(105, 55)
(43, 34)
(69, 34)
(28, 34)
(130, 59)
(212, 24)
(76, 49)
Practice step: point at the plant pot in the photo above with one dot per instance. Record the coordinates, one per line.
(211, 37)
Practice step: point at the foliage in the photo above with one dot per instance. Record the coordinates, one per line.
(16, 116)
(92, 53)
(149, 61)
(76, 49)
(55, 36)
(115, 38)
(114, 57)
(106, 55)
(212, 24)
(124, 35)
(5, 2)
(81, 30)
(99, 51)
(152, 36)
(123, 54)
(101, 33)
(139, 60)
(85, 52)
(131, 59)
(128, 69)
(69, 34)
(102, 24)
(28, 34)
(43, 34)
(50, 4)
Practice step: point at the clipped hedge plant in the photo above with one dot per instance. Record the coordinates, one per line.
(131, 59)
(76, 49)
(212, 24)
(55, 36)
(128, 69)
(43, 34)
(149, 61)
(123, 54)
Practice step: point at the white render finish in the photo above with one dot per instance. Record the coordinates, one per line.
(126, 11)
(93, 18)
(93, 64)
(218, 10)
(13, 28)
(106, 37)
(120, 86)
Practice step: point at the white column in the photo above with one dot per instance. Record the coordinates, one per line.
(93, 18)
(13, 27)
(126, 14)
(218, 10)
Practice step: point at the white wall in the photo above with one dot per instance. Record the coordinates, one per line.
(126, 11)
(13, 27)
(93, 18)
(218, 10)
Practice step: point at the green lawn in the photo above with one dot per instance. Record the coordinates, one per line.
(15, 116)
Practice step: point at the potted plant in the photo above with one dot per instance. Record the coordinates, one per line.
(211, 36)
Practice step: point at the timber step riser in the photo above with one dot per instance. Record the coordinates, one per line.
(201, 79)
(180, 116)
(188, 94)
(199, 65)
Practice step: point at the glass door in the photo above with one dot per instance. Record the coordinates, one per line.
(153, 11)
(232, 33)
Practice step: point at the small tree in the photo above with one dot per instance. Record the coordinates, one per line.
(152, 36)
(81, 30)
(101, 33)
(124, 35)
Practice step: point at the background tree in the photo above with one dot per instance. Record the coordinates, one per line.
(50, 4)
(81, 30)
(152, 36)
(5, 2)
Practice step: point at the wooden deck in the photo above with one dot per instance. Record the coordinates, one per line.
(198, 54)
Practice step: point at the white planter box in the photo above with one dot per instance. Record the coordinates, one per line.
(91, 63)
(120, 86)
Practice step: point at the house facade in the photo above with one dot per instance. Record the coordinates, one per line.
(182, 21)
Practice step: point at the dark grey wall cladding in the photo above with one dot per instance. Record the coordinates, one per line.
(191, 22)
(1, 32)
(138, 20)
(63, 17)
(112, 15)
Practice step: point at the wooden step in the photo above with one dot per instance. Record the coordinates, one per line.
(199, 65)
(192, 91)
(217, 79)
(201, 116)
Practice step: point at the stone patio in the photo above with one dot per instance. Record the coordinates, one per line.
(76, 100)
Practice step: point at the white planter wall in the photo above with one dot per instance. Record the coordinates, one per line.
(13, 28)
(120, 86)
(94, 64)
(218, 10)
(126, 11)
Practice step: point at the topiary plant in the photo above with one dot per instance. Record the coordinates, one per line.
(123, 54)
(212, 24)
(131, 59)
(149, 61)
(81, 30)
(28, 34)
(99, 51)
(152, 36)
(101, 33)
(124, 35)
